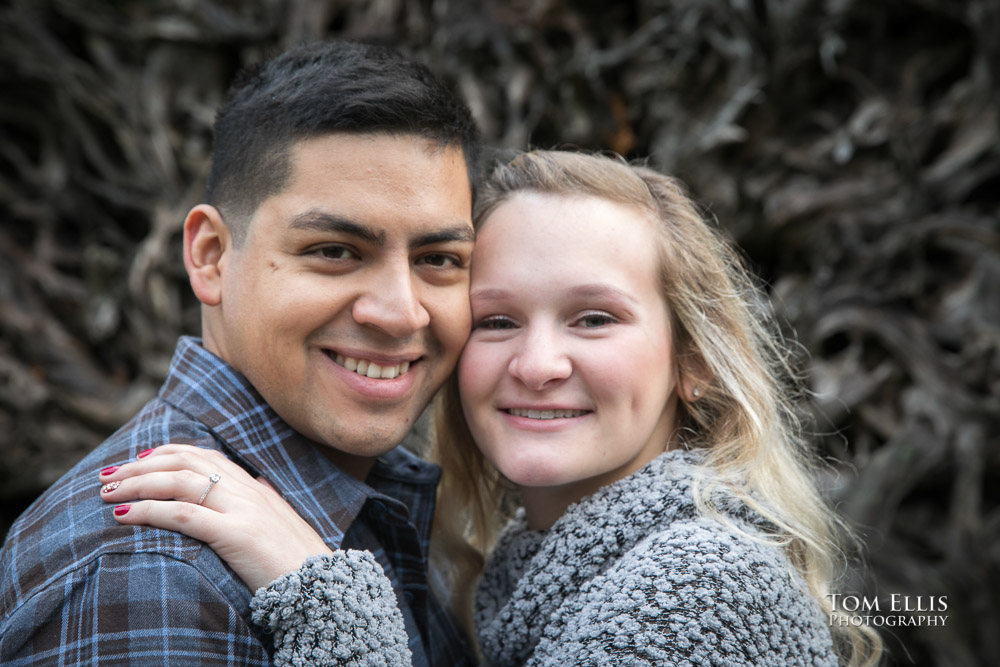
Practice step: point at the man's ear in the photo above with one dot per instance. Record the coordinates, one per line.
(206, 243)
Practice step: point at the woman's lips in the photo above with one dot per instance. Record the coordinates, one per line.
(546, 414)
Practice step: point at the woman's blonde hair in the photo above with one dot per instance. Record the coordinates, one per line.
(743, 419)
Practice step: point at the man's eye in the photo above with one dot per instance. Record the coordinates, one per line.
(440, 260)
(336, 252)
(495, 323)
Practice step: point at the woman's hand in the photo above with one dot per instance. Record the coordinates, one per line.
(244, 520)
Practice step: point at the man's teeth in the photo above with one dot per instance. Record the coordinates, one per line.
(546, 414)
(370, 369)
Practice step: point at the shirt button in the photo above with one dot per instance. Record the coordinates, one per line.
(378, 508)
(409, 597)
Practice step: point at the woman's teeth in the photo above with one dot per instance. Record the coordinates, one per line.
(546, 414)
(371, 369)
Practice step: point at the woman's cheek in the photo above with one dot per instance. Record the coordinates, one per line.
(472, 375)
(478, 359)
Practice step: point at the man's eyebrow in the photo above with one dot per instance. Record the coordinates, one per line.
(320, 221)
(456, 234)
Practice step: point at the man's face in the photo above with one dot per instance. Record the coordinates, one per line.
(347, 304)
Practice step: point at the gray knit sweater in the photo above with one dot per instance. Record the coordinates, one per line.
(632, 575)
(334, 610)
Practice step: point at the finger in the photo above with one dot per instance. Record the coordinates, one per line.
(182, 485)
(177, 448)
(158, 451)
(193, 520)
(175, 458)
(182, 456)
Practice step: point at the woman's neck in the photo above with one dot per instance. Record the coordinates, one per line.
(543, 505)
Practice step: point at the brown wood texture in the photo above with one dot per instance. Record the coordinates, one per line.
(851, 147)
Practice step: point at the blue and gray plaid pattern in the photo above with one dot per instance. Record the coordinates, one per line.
(79, 588)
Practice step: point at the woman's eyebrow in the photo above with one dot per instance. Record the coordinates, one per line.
(320, 221)
(602, 291)
(590, 291)
(491, 294)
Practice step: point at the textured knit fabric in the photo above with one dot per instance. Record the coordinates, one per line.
(334, 610)
(76, 587)
(633, 575)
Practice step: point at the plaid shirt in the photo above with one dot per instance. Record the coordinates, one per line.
(77, 587)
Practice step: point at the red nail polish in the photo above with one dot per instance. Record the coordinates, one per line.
(122, 509)
(146, 452)
(109, 470)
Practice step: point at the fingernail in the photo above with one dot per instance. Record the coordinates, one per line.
(110, 486)
(122, 509)
(145, 453)
(109, 470)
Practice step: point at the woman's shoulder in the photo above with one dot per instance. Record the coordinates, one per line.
(723, 562)
(727, 542)
(695, 591)
(701, 558)
(714, 591)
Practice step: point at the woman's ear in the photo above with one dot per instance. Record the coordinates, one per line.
(206, 243)
(695, 379)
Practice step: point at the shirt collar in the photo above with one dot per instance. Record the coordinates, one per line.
(217, 395)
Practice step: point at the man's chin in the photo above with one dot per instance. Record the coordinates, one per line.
(359, 446)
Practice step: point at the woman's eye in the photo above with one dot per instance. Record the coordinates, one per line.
(594, 320)
(495, 323)
(336, 252)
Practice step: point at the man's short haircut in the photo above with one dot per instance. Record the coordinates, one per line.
(316, 90)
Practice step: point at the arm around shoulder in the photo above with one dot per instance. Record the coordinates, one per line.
(336, 609)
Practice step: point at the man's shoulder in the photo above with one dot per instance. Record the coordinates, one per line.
(120, 608)
(69, 525)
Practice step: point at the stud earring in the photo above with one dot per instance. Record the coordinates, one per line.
(696, 391)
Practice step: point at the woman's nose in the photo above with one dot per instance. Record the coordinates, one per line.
(542, 361)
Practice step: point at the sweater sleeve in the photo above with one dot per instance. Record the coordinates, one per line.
(691, 596)
(335, 610)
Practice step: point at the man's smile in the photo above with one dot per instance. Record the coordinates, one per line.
(370, 369)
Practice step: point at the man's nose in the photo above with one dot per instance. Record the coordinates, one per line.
(392, 302)
(542, 361)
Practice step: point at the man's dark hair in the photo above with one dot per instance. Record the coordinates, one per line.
(318, 89)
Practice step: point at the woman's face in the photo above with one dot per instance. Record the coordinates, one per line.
(567, 380)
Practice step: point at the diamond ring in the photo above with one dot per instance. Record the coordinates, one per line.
(213, 479)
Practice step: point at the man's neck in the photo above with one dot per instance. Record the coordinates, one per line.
(357, 467)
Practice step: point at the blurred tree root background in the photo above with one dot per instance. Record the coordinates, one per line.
(852, 148)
